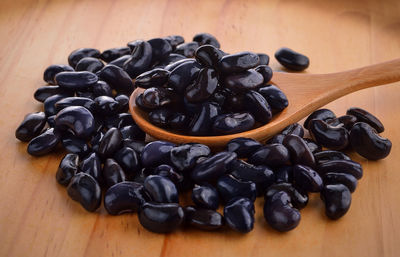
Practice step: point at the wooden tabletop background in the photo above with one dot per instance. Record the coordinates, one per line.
(37, 218)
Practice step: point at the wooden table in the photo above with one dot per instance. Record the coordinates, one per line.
(37, 218)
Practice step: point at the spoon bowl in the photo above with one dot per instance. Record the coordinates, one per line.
(305, 92)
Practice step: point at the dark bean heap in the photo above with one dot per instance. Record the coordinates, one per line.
(213, 93)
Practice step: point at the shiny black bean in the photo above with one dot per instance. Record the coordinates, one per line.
(153, 78)
(275, 97)
(273, 155)
(346, 121)
(124, 197)
(108, 121)
(49, 104)
(277, 139)
(132, 132)
(234, 103)
(292, 60)
(213, 167)
(299, 151)
(175, 40)
(230, 187)
(50, 121)
(187, 49)
(112, 173)
(125, 119)
(161, 217)
(299, 199)
(203, 87)
(95, 140)
(31, 126)
(364, 116)
(119, 62)
(178, 121)
(85, 94)
(184, 157)
(160, 117)
(170, 67)
(117, 79)
(238, 62)
(220, 95)
(368, 143)
(44, 143)
(77, 118)
(261, 175)
(123, 102)
(74, 145)
(205, 219)
(233, 123)
(206, 39)
(257, 105)
(265, 71)
(334, 178)
(75, 101)
(114, 53)
(161, 189)
(243, 147)
(129, 160)
(284, 174)
(91, 165)
(244, 81)
(161, 49)
(156, 97)
(172, 58)
(67, 168)
(110, 143)
(84, 189)
(167, 171)
(279, 212)
(307, 179)
(239, 215)
(183, 75)
(136, 145)
(208, 56)
(205, 196)
(139, 103)
(76, 80)
(51, 71)
(42, 93)
(89, 64)
(293, 129)
(336, 138)
(313, 146)
(321, 114)
(264, 59)
(101, 88)
(140, 59)
(337, 199)
(106, 105)
(330, 155)
(341, 166)
(203, 121)
(156, 153)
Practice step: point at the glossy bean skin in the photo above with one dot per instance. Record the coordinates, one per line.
(80, 53)
(42, 93)
(129, 160)
(167, 171)
(67, 168)
(125, 197)
(187, 49)
(277, 139)
(275, 97)
(265, 71)
(106, 105)
(239, 215)
(298, 198)
(31, 126)
(183, 75)
(75, 101)
(244, 81)
(172, 58)
(170, 67)
(134, 144)
(292, 60)
(284, 174)
(123, 103)
(299, 151)
(89, 64)
(110, 143)
(203, 87)
(132, 132)
(208, 55)
(119, 62)
(153, 78)
(337, 199)
(279, 212)
(364, 116)
(243, 147)
(184, 157)
(307, 179)
(51, 71)
(230, 187)
(117, 79)
(84, 189)
(239, 62)
(321, 114)
(257, 105)
(161, 49)
(50, 102)
(112, 54)
(264, 59)
(178, 121)
(76, 80)
(205, 219)
(234, 103)
(366, 142)
(156, 153)
(213, 167)
(273, 155)
(160, 117)
(261, 175)
(161, 189)
(334, 178)
(313, 146)
(156, 97)
(140, 59)
(341, 166)
(112, 173)
(44, 143)
(161, 217)
(335, 138)
(346, 121)
(205, 196)
(174, 40)
(232, 123)
(206, 39)
(330, 155)
(91, 165)
(76, 118)
(203, 121)
(73, 144)
(125, 119)
(293, 129)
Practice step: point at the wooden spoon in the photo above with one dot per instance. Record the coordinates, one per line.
(305, 92)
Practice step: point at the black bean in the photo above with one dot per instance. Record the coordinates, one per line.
(337, 199)
(80, 53)
(307, 179)
(172, 58)
(153, 78)
(119, 62)
(89, 64)
(132, 132)
(244, 81)
(156, 97)
(364, 116)
(243, 147)
(106, 105)
(161, 189)
(76, 80)
(112, 173)
(293, 129)
(265, 71)
(167, 171)
(313, 146)
(42, 93)
(238, 62)
(125, 119)
(183, 75)
(336, 138)
(156, 153)
(75, 101)
(160, 117)
(117, 79)
(84, 189)
(264, 59)
(140, 59)
(129, 160)
(203, 121)
(49, 104)
(51, 71)
(123, 102)
(234, 103)
(205, 219)
(67, 168)
(178, 121)
(321, 114)
(230, 187)
(284, 174)
(257, 105)
(299, 151)
(298, 198)
(31, 126)
(44, 143)
(112, 54)
(275, 97)
(184, 157)
(73, 144)
(161, 217)
(161, 49)
(170, 67)
(271, 155)
(341, 166)
(334, 178)
(233, 123)
(239, 215)
(330, 155)
(277, 139)
(110, 143)
(292, 60)
(346, 121)
(208, 56)
(91, 165)
(203, 87)
(213, 167)
(187, 49)
(206, 39)
(205, 196)
(136, 145)
(77, 118)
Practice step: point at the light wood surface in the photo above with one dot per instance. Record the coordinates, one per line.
(307, 93)
(38, 219)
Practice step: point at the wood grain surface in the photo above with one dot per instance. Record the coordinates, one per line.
(37, 218)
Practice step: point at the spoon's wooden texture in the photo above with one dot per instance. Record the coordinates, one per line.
(306, 93)
(38, 219)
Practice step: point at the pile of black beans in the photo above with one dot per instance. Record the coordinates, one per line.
(213, 93)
